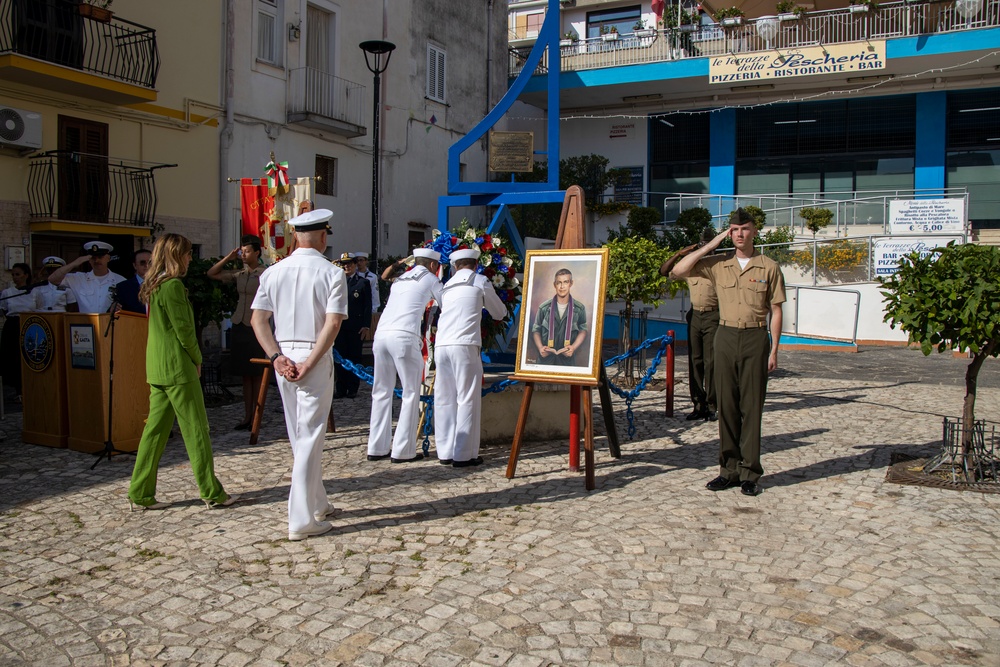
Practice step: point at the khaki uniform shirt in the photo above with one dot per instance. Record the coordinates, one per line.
(745, 295)
(702, 294)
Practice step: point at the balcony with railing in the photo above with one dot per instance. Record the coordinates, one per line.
(81, 187)
(50, 44)
(834, 26)
(326, 102)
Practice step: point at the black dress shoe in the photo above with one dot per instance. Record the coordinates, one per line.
(720, 483)
(465, 464)
(445, 462)
(378, 457)
(352, 394)
(242, 426)
(711, 416)
(749, 488)
(340, 394)
(418, 457)
(697, 414)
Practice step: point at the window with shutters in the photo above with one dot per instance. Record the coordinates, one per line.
(83, 170)
(269, 32)
(326, 175)
(436, 69)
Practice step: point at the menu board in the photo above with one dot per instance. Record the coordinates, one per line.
(629, 189)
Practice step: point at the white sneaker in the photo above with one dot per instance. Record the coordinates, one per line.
(309, 531)
(323, 513)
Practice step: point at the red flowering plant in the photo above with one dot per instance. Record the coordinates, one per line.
(498, 261)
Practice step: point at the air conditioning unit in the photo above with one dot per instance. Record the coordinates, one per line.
(20, 129)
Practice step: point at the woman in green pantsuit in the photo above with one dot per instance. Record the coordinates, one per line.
(173, 366)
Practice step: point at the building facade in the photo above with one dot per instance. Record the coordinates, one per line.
(109, 126)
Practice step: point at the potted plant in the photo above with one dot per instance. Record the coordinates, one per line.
(97, 10)
(609, 33)
(730, 17)
(789, 11)
(569, 39)
(640, 29)
(862, 6)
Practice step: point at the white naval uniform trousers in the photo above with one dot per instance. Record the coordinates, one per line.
(458, 380)
(300, 290)
(396, 349)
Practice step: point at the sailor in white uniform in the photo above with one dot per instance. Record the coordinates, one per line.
(307, 295)
(93, 288)
(459, 376)
(396, 348)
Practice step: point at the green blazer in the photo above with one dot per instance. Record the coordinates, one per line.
(172, 352)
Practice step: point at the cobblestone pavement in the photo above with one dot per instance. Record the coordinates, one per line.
(431, 565)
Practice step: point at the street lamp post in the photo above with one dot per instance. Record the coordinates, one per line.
(380, 53)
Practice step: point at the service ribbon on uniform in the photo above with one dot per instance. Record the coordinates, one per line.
(552, 322)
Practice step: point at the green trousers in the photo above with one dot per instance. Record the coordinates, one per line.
(187, 403)
(740, 388)
(701, 358)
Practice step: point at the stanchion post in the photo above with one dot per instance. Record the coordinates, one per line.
(574, 428)
(670, 375)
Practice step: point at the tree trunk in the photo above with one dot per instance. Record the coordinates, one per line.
(969, 408)
(629, 361)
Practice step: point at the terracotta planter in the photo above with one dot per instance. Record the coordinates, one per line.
(95, 13)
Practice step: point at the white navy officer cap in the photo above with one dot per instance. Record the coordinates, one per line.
(465, 253)
(52, 260)
(312, 221)
(346, 258)
(98, 247)
(361, 255)
(428, 253)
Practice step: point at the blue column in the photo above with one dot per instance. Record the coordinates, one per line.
(722, 154)
(930, 155)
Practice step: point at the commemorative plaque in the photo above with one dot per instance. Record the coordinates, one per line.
(512, 151)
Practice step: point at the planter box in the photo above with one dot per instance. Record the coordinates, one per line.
(732, 21)
(609, 37)
(688, 27)
(645, 32)
(567, 42)
(95, 13)
(859, 9)
(788, 17)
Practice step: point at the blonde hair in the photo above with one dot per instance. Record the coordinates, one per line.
(167, 263)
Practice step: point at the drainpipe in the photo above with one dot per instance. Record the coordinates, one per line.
(489, 72)
(226, 136)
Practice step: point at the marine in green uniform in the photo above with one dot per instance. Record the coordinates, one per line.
(749, 286)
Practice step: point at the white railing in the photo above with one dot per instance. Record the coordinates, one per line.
(849, 208)
(835, 26)
(311, 91)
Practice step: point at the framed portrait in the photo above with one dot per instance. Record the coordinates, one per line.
(562, 315)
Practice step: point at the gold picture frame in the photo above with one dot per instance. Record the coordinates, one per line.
(542, 350)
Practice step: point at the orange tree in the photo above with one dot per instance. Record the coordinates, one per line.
(950, 299)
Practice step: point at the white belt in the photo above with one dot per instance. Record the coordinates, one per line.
(296, 345)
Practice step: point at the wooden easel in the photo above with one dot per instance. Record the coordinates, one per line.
(572, 235)
(258, 408)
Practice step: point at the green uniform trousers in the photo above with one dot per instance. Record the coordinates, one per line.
(740, 387)
(701, 358)
(187, 402)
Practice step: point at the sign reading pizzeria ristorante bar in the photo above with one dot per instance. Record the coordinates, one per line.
(807, 61)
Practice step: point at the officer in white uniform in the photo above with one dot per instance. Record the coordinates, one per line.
(307, 295)
(92, 289)
(362, 259)
(459, 377)
(396, 348)
(49, 298)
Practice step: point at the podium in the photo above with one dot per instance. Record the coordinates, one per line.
(87, 356)
(43, 379)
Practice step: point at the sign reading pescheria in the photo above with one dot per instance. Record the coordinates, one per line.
(806, 61)
(887, 252)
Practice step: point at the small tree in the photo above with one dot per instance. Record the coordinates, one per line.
(758, 215)
(690, 223)
(641, 220)
(816, 218)
(634, 275)
(948, 299)
(211, 300)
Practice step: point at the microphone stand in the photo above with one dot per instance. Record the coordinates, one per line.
(109, 444)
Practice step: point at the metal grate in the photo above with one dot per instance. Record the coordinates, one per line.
(974, 119)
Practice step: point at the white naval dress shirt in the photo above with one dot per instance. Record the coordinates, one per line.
(373, 279)
(301, 289)
(462, 303)
(92, 295)
(404, 309)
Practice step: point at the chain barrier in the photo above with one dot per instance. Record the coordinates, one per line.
(366, 373)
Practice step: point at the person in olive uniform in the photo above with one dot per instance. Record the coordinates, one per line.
(355, 328)
(703, 321)
(749, 287)
(560, 324)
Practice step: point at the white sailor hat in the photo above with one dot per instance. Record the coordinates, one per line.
(312, 221)
(361, 255)
(428, 253)
(98, 247)
(52, 260)
(464, 253)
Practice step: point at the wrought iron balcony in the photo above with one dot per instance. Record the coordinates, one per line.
(834, 26)
(54, 31)
(80, 187)
(326, 102)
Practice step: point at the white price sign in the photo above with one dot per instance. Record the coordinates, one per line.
(927, 216)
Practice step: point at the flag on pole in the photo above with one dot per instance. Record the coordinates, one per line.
(255, 207)
(658, 6)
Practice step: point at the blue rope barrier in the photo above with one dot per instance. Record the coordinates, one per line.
(366, 373)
